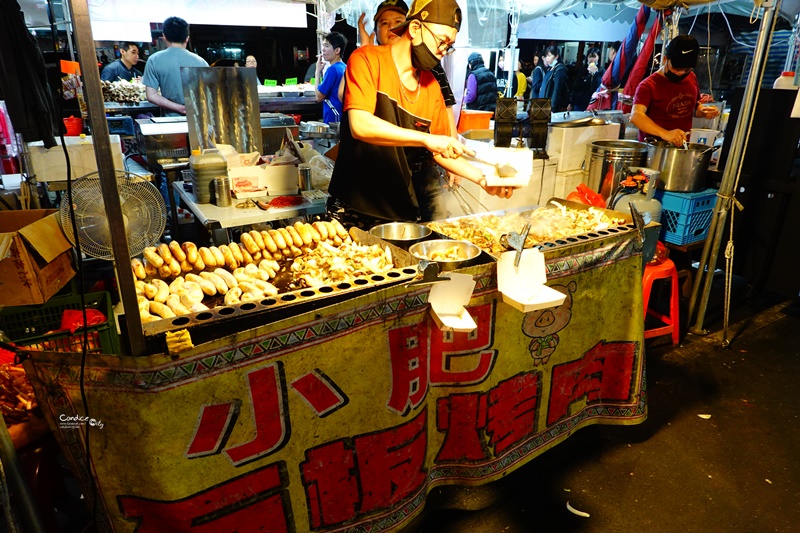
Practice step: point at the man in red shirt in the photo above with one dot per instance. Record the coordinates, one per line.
(666, 101)
(395, 121)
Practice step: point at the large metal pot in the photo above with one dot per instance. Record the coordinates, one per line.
(682, 169)
(606, 161)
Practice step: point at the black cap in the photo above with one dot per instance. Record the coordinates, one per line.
(390, 5)
(444, 12)
(682, 51)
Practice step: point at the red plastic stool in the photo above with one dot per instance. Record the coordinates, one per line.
(665, 269)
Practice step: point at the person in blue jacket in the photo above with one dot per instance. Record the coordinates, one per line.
(554, 85)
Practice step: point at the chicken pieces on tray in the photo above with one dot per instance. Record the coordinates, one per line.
(550, 223)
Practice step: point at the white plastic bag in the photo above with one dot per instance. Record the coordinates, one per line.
(321, 171)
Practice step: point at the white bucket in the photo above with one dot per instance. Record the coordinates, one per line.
(703, 136)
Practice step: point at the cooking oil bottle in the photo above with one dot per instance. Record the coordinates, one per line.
(206, 166)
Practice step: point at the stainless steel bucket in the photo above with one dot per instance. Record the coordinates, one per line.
(608, 159)
(682, 169)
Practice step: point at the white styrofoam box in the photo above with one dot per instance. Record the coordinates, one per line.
(523, 286)
(539, 190)
(566, 182)
(569, 144)
(51, 165)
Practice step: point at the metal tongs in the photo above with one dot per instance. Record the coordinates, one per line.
(517, 242)
(430, 274)
(638, 220)
(465, 207)
(455, 190)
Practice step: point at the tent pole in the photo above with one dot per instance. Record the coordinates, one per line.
(708, 259)
(108, 179)
(512, 53)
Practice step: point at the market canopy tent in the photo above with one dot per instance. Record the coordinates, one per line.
(564, 20)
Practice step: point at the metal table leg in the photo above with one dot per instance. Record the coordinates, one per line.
(173, 227)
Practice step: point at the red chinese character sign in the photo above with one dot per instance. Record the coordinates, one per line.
(344, 419)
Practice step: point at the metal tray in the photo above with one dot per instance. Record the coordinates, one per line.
(219, 321)
(559, 243)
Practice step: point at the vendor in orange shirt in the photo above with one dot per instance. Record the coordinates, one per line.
(395, 119)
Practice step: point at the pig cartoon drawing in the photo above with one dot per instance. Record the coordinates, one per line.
(542, 325)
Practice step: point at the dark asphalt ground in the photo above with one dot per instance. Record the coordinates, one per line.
(737, 471)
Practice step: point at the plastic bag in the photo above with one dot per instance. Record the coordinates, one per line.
(321, 171)
(583, 194)
(72, 319)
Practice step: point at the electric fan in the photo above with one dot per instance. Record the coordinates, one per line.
(143, 212)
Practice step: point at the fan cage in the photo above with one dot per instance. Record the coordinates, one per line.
(143, 210)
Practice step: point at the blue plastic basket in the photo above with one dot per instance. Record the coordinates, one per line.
(686, 216)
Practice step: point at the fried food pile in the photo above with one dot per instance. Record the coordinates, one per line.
(549, 223)
(181, 278)
(326, 263)
(451, 253)
(123, 92)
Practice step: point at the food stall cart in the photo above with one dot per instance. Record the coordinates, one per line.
(340, 408)
(344, 415)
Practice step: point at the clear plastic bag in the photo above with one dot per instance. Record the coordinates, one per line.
(321, 171)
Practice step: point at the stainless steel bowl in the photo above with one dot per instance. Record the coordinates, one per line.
(402, 234)
(427, 249)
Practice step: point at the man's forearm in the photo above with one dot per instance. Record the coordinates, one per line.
(646, 124)
(154, 98)
(460, 167)
(368, 128)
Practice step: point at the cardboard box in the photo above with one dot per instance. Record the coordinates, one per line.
(281, 179)
(35, 257)
(274, 179)
(51, 165)
(479, 134)
(247, 179)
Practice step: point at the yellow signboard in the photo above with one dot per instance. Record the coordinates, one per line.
(344, 418)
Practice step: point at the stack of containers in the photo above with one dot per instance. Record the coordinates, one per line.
(567, 145)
